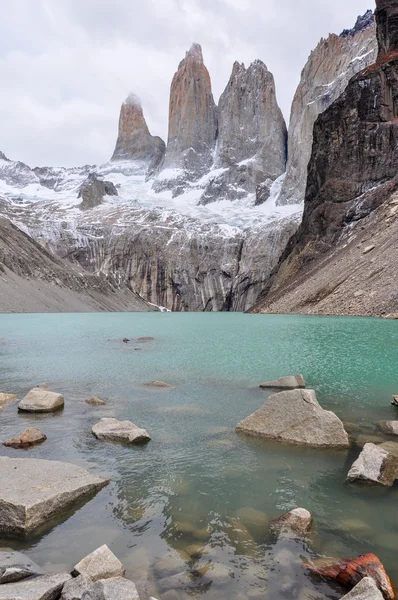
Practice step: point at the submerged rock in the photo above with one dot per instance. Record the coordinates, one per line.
(30, 437)
(296, 417)
(34, 490)
(15, 566)
(389, 427)
(296, 522)
(376, 464)
(112, 430)
(365, 590)
(95, 401)
(7, 398)
(145, 339)
(158, 384)
(100, 564)
(291, 382)
(46, 587)
(41, 400)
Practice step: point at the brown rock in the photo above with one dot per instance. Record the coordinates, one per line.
(145, 339)
(95, 401)
(7, 398)
(389, 427)
(30, 437)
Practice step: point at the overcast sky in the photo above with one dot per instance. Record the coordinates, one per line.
(67, 65)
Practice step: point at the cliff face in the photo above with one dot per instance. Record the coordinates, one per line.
(134, 141)
(192, 123)
(350, 192)
(252, 136)
(325, 76)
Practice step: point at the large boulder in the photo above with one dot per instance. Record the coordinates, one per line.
(376, 464)
(112, 430)
(33, 490)
(291, 382)
(365, 590)
(30, 437)
(296, 522)
(15, 566)
(47, 587)
(75, 588)
(116, 588)
(100, 564)
(41, 401)
(296, 417)
(7, 398)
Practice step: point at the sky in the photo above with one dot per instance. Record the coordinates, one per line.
(67, 65)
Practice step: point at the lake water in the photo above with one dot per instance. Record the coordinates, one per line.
(198, 489)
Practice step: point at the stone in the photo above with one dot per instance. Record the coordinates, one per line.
(296, 417)
(41, 401)
(7, 399)
(375, 465)
(395, 400)
(368, 249)
(134, 142)
(93, 191)
(34, 490)
(30, 437)
(100, 564)
(116, 588)
(112, 430)
(145, 339)
(389, 427)
(252, 518)
(46, 587)
(362, 440)
(296, 522)
(74, 588)
(366, 589)
(195, 551)
(126, 340)
(291, 382)
(95, 401)
(15, 566)
(159, 384)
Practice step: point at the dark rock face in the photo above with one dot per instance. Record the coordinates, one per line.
(93, 191)
(363, 22)
(387, 25)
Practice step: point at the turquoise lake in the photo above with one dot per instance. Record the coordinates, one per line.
(188, 514)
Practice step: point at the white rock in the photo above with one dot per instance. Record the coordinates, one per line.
(41, 400)
(112, 430)
(47, 587)
(112, 589)
(297, 521)
(366, 589)
(375, 465)
(100, 564)
(7, 399)
(33, 490)
(291, 382)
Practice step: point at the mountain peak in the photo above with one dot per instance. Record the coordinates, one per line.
(133, 100)
(195, 52)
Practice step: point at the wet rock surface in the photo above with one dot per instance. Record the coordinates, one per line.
(375, 465)
(41, 401)
(365, 590)
(30, 437)
(100, 564)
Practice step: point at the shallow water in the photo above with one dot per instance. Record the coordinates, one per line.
(190, 512)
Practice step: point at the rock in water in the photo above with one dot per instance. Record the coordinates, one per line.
(112, 589)
(41, 401)
(192, 125)
(291, 382)
(7, 399)
(365, 590)
(100, 564)
(112, 430)
(389, 427)
(252, 136)
(159, 384)
(134, 142)
(351, 571)
(375, 465)
(295, 522)
(95, 401)
(94, 190)
(296, 417)
(47, 587)
(395, 400)
(15, 566)
(33, 491)
(30, 437)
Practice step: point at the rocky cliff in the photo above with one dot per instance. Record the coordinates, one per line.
(346, 240)
(192, 124)
(325, 76)
(252, 136)
(134, 142)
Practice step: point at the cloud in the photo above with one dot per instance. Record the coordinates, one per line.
(67, 65)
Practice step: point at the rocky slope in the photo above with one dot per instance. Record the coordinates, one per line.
(33, 280)
(325, 76)
(350, 198)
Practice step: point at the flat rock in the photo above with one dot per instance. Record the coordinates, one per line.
(15, 566)
(296, 522)
(41, 401)
(75, 588)
(145, 339)
(7, 398)
(100, 564)
(389, 427)
(47, 587)
(116, 588)
(296, 417)
(33, 490)
(291, 382)
(112, 430)
(30, 437)
(365, 590)
(158, 384)
(375, 465)
(95, 401)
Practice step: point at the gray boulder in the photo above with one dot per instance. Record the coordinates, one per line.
(291, 382)
(41, 401)
(93, 191)
(15, 566)
(47, 587)
(296, 417)
(112, 430)
(389, 427)
(75, 588)
(376, 464)
(33, 490)
(112, 589)
(366, 589)
(295, 522)
(100, 564)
